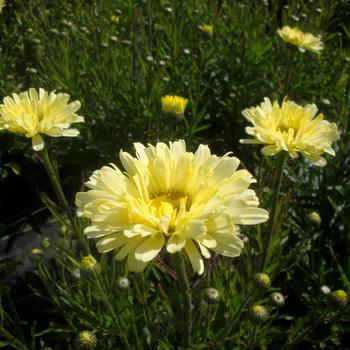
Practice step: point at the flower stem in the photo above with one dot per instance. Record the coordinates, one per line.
(112, 311)
(186, 298)
(58, 189)
(275, 196)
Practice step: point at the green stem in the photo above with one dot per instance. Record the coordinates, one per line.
(58, 189)
(111, 310)
(275, 196)
(186, 298)
(253, 337)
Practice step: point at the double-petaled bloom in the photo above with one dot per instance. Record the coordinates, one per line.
(173, 199)
(34, 114)
(304, 41)
(291, 128)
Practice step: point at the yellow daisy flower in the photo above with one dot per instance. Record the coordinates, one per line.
(34, 114)
(291, 128)
(304, 41)
(174, 105)
(170, 198)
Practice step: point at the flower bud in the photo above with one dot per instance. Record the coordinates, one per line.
(211, 295)
(45, 243)
(85, 340)
(277, 299)
(337, 298)
(89, 266)
(314, 219)
(36, 255)
(258, 313)
(262, 280)
(123, 283)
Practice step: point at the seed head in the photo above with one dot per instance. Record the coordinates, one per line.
(212, 295)
(325, 290)
(123, 283)
(36, 255)
(277, 299)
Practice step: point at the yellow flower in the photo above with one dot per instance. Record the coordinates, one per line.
(173, 198)
(174, 105)
(304, 41)
(34, 114)
(206, 28)
(291, 128)
(2, 5)
(115, 19)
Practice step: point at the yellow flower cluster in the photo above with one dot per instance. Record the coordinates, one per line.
(304, 41)
(173, 198)
(34, 114)
(174, 105)
(291, 128)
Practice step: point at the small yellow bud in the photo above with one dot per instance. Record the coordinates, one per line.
(206, 28)
(174, 105)
(85, 340)
(90, 266)
(314, 219)
(36, 255)
(259, 313)
(262, 280)
(338, 298)
(115, 19)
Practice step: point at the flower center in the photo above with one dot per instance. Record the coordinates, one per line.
(176, 199)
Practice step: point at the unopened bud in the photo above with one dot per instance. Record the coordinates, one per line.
(123, 283)
(211, 295)
(277, 299)
(262, 280)
(45, 243)
(314, 218)
(90, 266)
(337, 298)
(85, 340)
(36, 255)
(259, 313)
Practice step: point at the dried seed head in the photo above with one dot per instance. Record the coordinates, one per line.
(277, 299)
(123, 283)
(262, 280)
(258, 313)
(325, 290)
(212, 295)
(85, 340)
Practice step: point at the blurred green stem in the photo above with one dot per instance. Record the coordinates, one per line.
(186, 298)
(112, 311)
(253, 337)
(274, 204)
